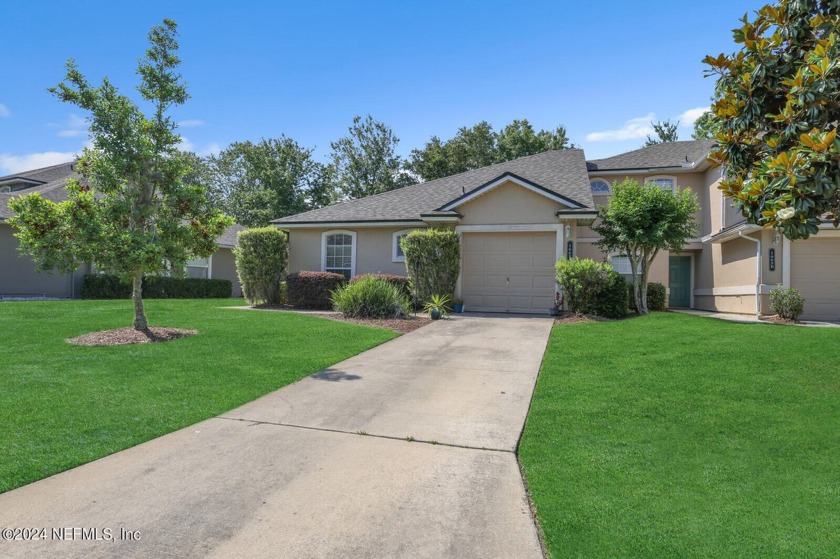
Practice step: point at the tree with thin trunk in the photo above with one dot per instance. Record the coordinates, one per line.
(640, 221)
(130, 211)
(665, 130)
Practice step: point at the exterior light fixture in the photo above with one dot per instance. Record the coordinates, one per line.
(777, 238)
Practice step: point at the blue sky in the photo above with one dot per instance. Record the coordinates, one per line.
(304, 69)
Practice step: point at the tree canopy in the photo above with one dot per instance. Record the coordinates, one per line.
(131, 212)
(273, 178)
(479, 146)
(365, 161)
(665, 132)
(639, 221)
(705, 127)
(776, 107)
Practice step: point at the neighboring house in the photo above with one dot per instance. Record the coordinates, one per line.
(515, 219)
(18, 277)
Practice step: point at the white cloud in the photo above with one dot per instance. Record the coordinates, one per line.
(689, 117)
(210, 149)
(10, 164)
(191, 123)
(4, 111)
(632, 129)
(74, 127)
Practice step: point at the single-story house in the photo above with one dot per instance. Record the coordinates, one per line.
(516, 219)
(18, 277)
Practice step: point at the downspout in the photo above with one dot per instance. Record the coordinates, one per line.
(757, 271)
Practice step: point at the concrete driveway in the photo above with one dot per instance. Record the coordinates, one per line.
(406, 450)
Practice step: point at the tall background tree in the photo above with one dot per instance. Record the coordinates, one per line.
(365, 162)
(258, 182)
(479, 146)
(665, 131)
(131, 212)
(705, 127)
(640, 221)
(777, 106)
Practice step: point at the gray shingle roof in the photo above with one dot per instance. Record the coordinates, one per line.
(53, 180)
(562, 172)
(668, 154)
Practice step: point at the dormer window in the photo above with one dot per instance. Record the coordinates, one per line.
(5, 189)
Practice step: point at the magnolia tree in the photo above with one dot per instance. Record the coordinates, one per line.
(776, 107)
(639, 221)
(130, 212)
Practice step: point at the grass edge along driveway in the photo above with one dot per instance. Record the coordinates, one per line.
(678, 436)
(62, 405)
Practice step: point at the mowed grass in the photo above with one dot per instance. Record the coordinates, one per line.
(679, 436)
(63, 405)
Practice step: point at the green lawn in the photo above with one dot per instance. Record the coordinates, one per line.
(679, 436)
(63, 405)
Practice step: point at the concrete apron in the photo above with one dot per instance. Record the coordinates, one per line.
(290, 475)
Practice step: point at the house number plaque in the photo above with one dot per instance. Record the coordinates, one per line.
(569, 249)
(772, 260)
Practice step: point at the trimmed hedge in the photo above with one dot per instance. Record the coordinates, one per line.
(657, 296)
(401, 282)
(611, 301)
(312, 290)
(433, 262)
(657, 299)
(106, 286)
(592, 287)
(260, 261)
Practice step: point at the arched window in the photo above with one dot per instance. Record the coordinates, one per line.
(338, 252)
(599, 186)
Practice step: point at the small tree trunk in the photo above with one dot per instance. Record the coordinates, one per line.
(637, 281)
(140, 322)
(642, 296)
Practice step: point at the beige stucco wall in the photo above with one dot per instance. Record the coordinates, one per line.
(507, 204)
(224, 267)
(373, 250)
(19, 278)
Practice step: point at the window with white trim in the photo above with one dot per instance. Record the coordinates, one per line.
(5, 189)
(621, 264)
(198, 268)
(396, 250)
(339, 253)
(599, 186)
(663, 182)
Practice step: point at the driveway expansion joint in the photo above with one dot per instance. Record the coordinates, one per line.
(406, 439)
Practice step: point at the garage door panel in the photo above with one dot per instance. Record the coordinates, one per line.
(516, 271)
(815, 272)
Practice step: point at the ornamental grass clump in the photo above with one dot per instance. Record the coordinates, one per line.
(371, 297)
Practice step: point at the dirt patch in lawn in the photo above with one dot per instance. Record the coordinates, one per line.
(126, 336)
(401, 325)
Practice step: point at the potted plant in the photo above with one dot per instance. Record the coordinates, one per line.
(437, 306)
(457, 304)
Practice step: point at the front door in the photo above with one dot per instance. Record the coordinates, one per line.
(679, 281)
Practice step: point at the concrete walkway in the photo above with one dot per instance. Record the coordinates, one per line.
(332, 466)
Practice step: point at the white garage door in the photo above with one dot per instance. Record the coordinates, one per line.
(815, 272)
(508, 272)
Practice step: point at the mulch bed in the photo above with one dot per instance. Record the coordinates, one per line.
(776, 319)
(401, 325)
(126, 336)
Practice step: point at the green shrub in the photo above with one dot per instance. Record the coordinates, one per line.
(371, 297)
(433, 261)
(260, 261)
(611, 299)
(786, 302)
(581, 280)
(657, 299)
(312, 290)
(107, 286)
(402, 282)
